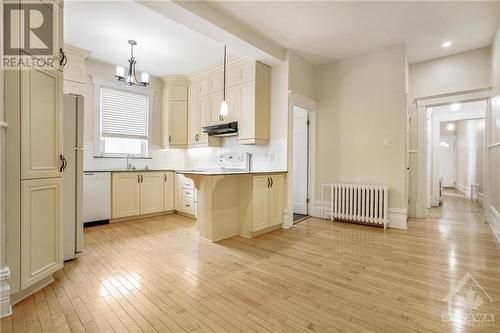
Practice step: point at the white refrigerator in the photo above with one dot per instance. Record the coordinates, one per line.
(73, 175)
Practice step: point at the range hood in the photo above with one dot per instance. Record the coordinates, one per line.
(228, 129)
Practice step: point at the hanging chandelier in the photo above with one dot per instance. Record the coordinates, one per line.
(224, 110)
(131, 79)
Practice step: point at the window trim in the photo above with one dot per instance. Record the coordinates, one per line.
(98, 139)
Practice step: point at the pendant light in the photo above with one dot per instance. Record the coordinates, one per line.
(130, 77)
(224, 111)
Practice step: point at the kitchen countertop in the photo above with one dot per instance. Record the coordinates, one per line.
(207, 172)
(128, 170)
(227, 172)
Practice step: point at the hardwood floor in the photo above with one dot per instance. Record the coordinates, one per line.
(155, 274)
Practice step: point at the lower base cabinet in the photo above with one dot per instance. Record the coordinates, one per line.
(41, 229)
(267, 199)
(141, 193)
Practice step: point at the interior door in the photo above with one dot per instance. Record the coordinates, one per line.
(447, 160)
(300, 161)
(152, 184)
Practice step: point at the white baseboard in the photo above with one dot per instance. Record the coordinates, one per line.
(493, 217)
(397, 216)
(5, 307)
(463, 189)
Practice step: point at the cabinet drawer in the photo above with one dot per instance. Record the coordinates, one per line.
(188, 206)
(188, 193)
(187, 184)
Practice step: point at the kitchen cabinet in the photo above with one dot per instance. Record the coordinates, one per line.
(125, 194)
(152, 192)
(185, 197)
(233, 106)
(267, 201)
(41, 123)
(41, 229)
(194, 121)
(177, 93)
(177, 123)
(33, 161)
(168, 188)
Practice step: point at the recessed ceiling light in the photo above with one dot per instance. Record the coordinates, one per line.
(455, 107)
(446, 44)
(450, 127)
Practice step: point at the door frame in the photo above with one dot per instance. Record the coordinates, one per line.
(423, 104)
(311, 105)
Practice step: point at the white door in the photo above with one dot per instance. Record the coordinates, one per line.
(447, 160)
(300, 160)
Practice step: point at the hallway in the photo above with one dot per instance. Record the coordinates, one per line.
(156, 274)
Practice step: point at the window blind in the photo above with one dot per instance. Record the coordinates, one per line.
(124, 114)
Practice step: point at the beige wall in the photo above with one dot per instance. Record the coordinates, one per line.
(464, 71)
(494, 153)
(470, 153)
(362, 121)
(302, 77)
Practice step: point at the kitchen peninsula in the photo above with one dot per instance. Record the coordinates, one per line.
(232, 203)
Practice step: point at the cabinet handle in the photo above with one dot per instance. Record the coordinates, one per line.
(169, 139)
(268, 182)
(64, 59)
(165, 178)
(142, 179)
(272, 182)
(61, 158)
(138, 178)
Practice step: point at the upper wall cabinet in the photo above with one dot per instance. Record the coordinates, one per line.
(174, 114)
(75, 70)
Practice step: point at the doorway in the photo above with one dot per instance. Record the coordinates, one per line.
(300, 164)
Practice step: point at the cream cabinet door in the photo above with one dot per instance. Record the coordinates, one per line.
(246, 111)
(214, 101)
(276, 200)
(168, 191)
(41, 229)
(41, 123)
(205, 115)
(126, 194)
(260, 202)
(177, 123)
(193, 121)
(178, 93)
(152, 192)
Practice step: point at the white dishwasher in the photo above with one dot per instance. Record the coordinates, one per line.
(96, 196)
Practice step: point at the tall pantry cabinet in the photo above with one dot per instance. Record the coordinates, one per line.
(34, 167)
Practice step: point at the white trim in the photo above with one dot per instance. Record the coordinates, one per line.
(493, 217)
(303, 101)
(5, 307)
(465, 190)
(398, 218)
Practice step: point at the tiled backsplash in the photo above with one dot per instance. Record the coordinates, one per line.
(264, 157)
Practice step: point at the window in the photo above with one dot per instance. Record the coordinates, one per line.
(124, 122)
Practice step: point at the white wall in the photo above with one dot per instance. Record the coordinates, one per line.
(302, 77)
(161, 158)
(460, 72)
(494, 151)
(470, 154)
(362, 121)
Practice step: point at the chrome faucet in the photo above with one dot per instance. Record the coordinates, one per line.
(129, 165)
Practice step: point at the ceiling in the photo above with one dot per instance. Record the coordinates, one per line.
(327, 30)
(164, 46)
